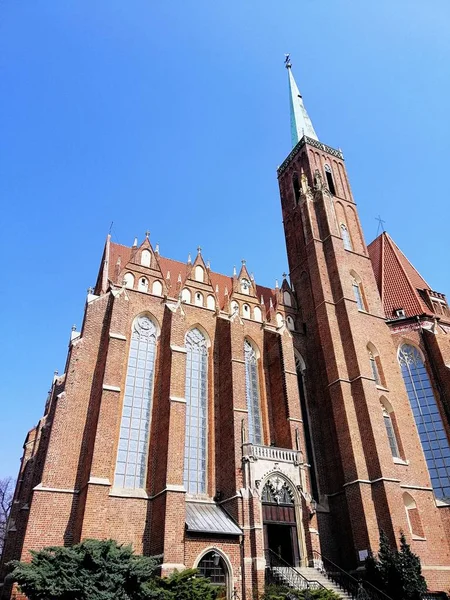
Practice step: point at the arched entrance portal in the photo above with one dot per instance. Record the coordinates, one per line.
(213, 566)
(280, 525)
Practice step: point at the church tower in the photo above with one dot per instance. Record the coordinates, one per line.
(366, 455)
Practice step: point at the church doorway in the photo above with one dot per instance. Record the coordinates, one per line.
(280, 525)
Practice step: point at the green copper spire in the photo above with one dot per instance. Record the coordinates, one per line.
(300, 122)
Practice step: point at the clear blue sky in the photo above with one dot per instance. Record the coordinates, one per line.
(173, 116)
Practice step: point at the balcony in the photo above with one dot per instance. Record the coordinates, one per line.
(254, 452)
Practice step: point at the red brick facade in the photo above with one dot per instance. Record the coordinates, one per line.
(327, 379)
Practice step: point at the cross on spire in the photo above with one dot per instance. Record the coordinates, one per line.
(380, 225)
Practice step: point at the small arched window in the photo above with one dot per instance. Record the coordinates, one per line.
(246, 311)
(146, 258)
(346, 237)
(375, 364)
(257, 314)
(186, 296)
(290, 323)
(131, 465)
(358, 292)
(413, 515)
(287, 299)
(280, 320)
(252, 394)
(196, 393)
(296, 186)
(428, 419)
(213, 567)
(245, 286)
(143, 284)
(211, 302)
(330, 181)
(388, 418)
(128, 280)
(199, 273)
(157, 288)
(234, 306)
(198, 299)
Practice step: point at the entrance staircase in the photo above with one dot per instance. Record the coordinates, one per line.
(324, 574)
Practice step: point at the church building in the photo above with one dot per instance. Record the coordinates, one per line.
(232, 427)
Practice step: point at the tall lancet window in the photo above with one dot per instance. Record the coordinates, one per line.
(252, 394)
(346, 237)
(196, 412)
(131, 463)
(428, 419)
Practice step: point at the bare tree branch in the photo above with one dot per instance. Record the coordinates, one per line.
(6, 498)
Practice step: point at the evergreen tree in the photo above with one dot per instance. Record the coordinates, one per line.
(103, 570)
(397, 572)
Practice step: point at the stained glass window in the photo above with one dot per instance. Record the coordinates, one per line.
(196, 413)
(428, 419)
(131, 463)
(252, 394)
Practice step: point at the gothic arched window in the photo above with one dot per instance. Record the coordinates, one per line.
(358, 291)
(196, 392)
(428, 419)
(252, 394)
(330, 182)
(296, 186)
(389, 425)
(346, 237)
(131, 465)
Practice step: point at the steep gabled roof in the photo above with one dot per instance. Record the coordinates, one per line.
(398, 281)
(222, 282)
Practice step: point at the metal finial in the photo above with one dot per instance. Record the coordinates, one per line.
(74, 327)
(90, 290)
(243, 261)
(147, 234)
(287, 61)
(55, 372)
(284, 275)
(199, 250)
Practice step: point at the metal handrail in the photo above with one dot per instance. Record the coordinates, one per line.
(284, 573)
(355, 587)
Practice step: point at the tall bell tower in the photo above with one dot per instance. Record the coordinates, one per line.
(352, 376)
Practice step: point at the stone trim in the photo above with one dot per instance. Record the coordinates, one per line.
(177, 399)
(111, 388)
(238, 360)
(117, 336)
(416, 487)
(294, 420)
(242, 410)
(436, 568)
(99, 481)
(399, 461)
(176, 348)
(41, 488)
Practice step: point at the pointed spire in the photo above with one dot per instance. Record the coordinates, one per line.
(234, 272)
(135, 243)
(189, 259)
(157, 249)
(300, 122)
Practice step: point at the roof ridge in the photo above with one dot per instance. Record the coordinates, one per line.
(408, 261)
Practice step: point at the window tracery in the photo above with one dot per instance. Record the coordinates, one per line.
(252, 394)
(196, 393)
(132, 453)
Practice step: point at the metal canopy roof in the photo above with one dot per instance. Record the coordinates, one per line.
(209, 518)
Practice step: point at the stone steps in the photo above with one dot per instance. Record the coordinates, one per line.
(315, 575)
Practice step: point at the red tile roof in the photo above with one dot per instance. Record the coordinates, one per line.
(398, 281)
